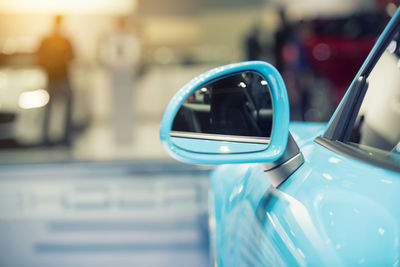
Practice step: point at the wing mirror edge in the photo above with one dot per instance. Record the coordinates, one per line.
(280, 125)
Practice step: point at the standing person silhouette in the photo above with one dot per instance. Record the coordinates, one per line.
(54, 55)
(253, 45)
(120, 53)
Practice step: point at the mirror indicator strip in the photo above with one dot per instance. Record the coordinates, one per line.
(220, 137)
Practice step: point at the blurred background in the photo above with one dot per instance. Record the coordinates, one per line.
(83, 85)
(93, 82)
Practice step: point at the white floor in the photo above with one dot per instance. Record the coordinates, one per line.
(98, 143)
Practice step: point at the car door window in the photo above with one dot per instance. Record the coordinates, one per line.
(377, 127)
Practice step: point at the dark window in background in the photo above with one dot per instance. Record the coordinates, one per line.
(320, 57)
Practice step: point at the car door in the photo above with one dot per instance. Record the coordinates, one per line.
(340, 207)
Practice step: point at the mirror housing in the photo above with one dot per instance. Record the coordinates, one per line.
(243, 152)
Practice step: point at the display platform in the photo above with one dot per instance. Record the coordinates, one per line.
(148, 213)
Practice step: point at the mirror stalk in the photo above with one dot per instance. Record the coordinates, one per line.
(279, 170)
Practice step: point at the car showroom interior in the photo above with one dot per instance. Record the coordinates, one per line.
(85, 86)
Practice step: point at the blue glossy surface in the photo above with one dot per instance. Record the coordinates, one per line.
(333, 211)
(304, 131)
(279, 128)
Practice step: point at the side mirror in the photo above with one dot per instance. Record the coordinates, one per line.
(238, 113)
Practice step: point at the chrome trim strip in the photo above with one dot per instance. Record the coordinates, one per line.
(221, 137)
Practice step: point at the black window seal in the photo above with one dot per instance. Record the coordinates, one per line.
(358, 154)
(341, 127)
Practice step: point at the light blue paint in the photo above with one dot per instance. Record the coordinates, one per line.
(334, 211)
(280, 119)
(304, 131)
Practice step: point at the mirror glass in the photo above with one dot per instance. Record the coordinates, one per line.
(233, 108)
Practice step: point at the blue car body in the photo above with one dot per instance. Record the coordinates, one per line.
(336, 209)
(333, 211)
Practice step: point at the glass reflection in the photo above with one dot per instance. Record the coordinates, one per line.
(238, 104)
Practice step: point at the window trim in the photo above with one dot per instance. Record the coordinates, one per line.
(342, 121)
(358, 154)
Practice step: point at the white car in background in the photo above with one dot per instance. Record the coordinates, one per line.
(23, 99)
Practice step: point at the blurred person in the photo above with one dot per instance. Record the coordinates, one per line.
(253, 44)
(120, 53)
(294, 67)
(54, 55)
(282, 35)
